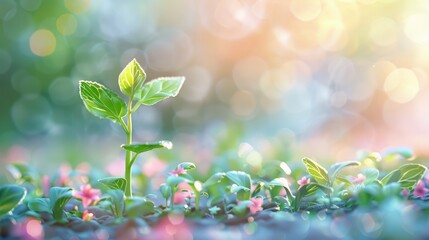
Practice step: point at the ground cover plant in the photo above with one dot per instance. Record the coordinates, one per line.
(350, 199)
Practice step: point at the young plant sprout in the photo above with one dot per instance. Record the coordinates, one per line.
(104, 103)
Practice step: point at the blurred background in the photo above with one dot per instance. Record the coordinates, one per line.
(266, 79)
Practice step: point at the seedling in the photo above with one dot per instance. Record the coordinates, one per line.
(54, 205)
(104, 103)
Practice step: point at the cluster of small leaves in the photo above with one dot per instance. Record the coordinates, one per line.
(104, 103)
(226, 193)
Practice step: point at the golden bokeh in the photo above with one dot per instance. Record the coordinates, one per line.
(77, 6)
(43, 42)
(401, 85)
(66, 24)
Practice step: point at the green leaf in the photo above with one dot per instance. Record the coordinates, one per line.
(214, 210)
(276, 186)
(10, 197)
(114, 183)
(392, 190)
(188, 177)
(407, 175)
(241, 209)
(308, 190)
(144, 147)
(175, 180)
(368, 194)
(258, 188)
(101, 101)
(131, 78)
(117, 198)
(138, 207)
(371, 175)
(40, 205)
(159, 89)
(165, 190)
(241, 179)
(187, 165)
(344, 180)
(236, 189)
(316, 171)
(58, 197)
(337, 167)
(214, 179)
(22, 172)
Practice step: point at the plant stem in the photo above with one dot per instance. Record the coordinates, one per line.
(173, 191)
(197, 196)
(128, 157)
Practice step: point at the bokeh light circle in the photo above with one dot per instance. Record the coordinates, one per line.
(77, 6)
(231, 19)
(401, 85)
(66, 24)
(43, 42)
(415, 28)
(31, 114)
(383, 31)
(306, 10)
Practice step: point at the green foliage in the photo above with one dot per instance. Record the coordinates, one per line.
(377, 194)
(187, 165)
(258, 188)
(243, 182)
(308, 190)
(176, 180)
(158, 90)
(10, 197)
(102, 102)
(371, 175)
(214, 179)
(22, 173)
(241, 209)
(131, 78)
(40, 205)
(165, 190)
(114, 183)
(138, 207)
(58, 197)
(117, 199)
(276, 186)
(407, 175)
(337, 167)
(144, 147)
(316, 171)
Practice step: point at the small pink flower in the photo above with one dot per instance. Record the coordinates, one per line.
(87, 194)
(178, 171)
(420, 190)
(87, 216)
(303, 181)
(359, 179)
(405, 192)
(255, 205)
